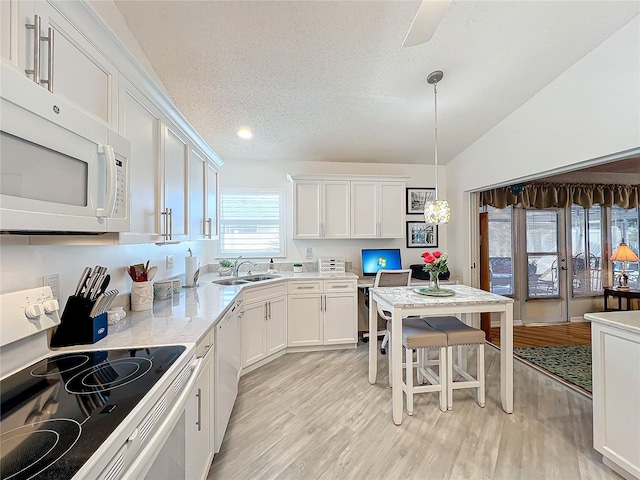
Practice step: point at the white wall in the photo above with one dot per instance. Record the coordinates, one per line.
(274, 175)
(24, 265)
(590, 111)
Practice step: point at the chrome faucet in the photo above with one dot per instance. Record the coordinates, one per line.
(236, 265)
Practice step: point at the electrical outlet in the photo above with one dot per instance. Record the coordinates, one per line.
(52, 281)
(309, 253)
(169, 261)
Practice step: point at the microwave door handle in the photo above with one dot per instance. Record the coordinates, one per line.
(112, 184)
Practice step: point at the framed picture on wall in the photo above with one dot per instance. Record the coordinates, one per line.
(421, 235)
(416, 198)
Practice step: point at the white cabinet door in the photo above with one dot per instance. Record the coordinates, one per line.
(304, 320)
(197, 194)
(252, 333)
(211, 211)
(80, 73)
(364, 209)
(391, 208)
(276, 328)
(335, 209)
(198, 426)
(175, 162)
(16, 41)
(139, 121)
(340, 318)
(307, 209)
(377, 209)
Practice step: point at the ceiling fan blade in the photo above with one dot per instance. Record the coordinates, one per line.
(424, 25)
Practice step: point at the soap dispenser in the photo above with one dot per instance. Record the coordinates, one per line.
(271, 266)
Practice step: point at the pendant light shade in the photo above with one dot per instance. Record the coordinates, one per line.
(436, 211)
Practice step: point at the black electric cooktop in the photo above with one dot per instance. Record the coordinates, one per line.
(56, 413)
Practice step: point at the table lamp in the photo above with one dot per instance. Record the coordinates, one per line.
(623, 254)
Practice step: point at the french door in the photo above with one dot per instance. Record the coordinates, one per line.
(550, 261)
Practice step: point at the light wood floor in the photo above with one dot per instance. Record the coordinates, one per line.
(315, 416)
(576, 333)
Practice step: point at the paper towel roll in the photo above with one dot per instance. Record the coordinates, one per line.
(190, 269)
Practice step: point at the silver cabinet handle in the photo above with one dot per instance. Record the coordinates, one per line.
(166, 223)
(35, 26)
(206, 350)
(269, 310)
(210, 231)
(265, 312)
(199, 422)
(311, 287)
(50, 50)
(171, 224)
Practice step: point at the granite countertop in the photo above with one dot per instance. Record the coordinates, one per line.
(405, 297)
(625, 320)
(188, 316)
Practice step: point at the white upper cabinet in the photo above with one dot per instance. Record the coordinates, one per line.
(44, 46)
(197, 194)
(140, 122)
(203, 196)
(173, 211)
(320, 209)
(363, 206)
(377, 209)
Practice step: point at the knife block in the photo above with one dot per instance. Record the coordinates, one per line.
(77, 327)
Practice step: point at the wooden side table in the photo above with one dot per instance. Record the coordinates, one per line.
(629, 295)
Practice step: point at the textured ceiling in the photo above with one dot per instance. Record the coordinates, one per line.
(330, 81)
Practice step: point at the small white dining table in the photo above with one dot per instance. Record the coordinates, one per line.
(404, 302)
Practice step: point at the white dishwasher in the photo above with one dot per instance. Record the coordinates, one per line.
(227, 369)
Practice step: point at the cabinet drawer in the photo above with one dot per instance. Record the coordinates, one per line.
(205, 344)
(254, 294)
(313, 286)
(339, 286)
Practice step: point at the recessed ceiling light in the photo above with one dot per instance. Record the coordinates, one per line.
(245, 133)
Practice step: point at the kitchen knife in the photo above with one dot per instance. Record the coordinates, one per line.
(95, 278)
(90, 281)
(103, 286)
(83, 278)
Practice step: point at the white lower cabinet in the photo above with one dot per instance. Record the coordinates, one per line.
(263, 323)
(198, 420)
(322, 312)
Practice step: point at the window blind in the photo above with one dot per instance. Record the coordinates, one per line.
(251, 223)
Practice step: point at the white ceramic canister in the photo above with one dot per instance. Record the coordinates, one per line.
(141, 296)
(163, 290)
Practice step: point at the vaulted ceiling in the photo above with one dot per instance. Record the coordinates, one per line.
(330, 81)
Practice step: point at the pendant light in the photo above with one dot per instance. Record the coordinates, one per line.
(436, 211)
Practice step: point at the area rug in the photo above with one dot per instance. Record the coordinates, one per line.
(572, 363)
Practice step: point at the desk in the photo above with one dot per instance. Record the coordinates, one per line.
(403, 302)
(629, 295)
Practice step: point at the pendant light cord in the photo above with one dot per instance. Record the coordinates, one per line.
(435, 94)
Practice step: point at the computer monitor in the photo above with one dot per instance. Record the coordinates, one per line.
(374, 259)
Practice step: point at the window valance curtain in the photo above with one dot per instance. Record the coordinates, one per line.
(562, 195)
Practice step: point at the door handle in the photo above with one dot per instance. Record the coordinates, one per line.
(199, 422)
(50, 64)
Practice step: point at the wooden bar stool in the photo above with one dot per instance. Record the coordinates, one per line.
(458, 334)
(416, 336)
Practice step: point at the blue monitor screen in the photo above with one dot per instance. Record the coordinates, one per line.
(380, 259)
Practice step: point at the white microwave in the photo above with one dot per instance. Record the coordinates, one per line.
(61, 171)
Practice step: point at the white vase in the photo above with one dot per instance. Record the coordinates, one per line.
(225, 271)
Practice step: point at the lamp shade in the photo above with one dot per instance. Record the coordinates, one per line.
(437, 211)
(624, 254)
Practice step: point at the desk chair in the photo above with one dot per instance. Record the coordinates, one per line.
(389, 278)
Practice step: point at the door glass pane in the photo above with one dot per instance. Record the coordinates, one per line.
(586, 236)
(624, 225)
(500, 250)
(542, 253)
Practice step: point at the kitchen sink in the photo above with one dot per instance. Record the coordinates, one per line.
(245, 280)
(230, 281)
(259, 278)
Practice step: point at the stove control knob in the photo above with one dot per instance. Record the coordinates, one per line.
(34, 311)
(51, 306)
